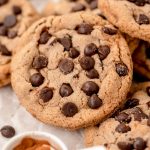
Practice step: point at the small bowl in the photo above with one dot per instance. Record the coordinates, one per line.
(53, 140)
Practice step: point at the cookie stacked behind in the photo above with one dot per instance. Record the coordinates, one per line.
(128, 129)
(74, 73)
(16, 16)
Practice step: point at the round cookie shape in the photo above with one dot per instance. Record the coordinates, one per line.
(16, 17)
(131, 17)
(129, 129)
(76, 89)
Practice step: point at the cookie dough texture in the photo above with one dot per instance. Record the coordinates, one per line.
(141, 59)
(130, 17)
(16, 16)
(135, 133)
(85, 73)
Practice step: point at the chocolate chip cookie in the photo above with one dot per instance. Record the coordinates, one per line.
(130, 16)
(128, 130)
(15, 18)
(74, 73)
(141, 59)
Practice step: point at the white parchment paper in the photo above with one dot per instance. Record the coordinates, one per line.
(11, 113)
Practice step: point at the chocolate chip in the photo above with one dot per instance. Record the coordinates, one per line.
(90, 88)
(93, 4)
(92, 74)
(44, 37)
(7, 131)
(131, 103)
(11, 34)
(109, 31)
(4, 51)
(65, 90)
(74, 53)
(103, 51)
(87, 63)
(46, 94)
(66, 66)
(36, 79)
(94, 102)
(138, 2)
(148, 104)
(122, 128)
(78, 7)
(10, 21)
(40, 62)
(142, 19)
(84, 28)
(125, 146)
(90, 49)
(123, 117)
(148, 91)
(3, 30)
(69, 109)
(122, 69)
(2, 2)
(66, 42)
(147, 52)
(16, 10)
(139, 144)
(148, 121)
(138, 114)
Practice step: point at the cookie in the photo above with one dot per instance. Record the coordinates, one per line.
(130, 16)
(15, 18)
(66, 72)
(70, 6)
(130, 129)
(141, 59)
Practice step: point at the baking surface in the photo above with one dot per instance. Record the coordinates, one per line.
(11, 113)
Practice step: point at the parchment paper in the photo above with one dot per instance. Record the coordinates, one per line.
(11, 113)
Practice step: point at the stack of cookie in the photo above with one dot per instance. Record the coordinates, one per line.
(74, 67)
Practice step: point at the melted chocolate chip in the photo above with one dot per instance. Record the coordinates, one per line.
(103, 51)
(122, 128)
(40, 62)
(139, 144)
(142, 19)
(69, 109)
(84, 28)
(17, 10)
(3, 30)
(2, 2)
(11, 34)
(10, 21)
(148, 121)
(148, 91)
(46, 94)
(4, 51)
(92, 74)
(78, 7)
(109, 31)
(66, 42)
(65, 90)
(122, 69)
(94, 102)
(66, 66)
(7, 131)
(148, 104)
(125, 146)
(131, 103)
(90, 49)
(87, 63)
(147, 52)
(36, 79)
(138, 2)
(44, 37)
(90, 88)
(73, 53)
(123, 117)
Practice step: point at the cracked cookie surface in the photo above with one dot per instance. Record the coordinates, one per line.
(15, 18)
(130, 16)
(72, 74)
(129, 129)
